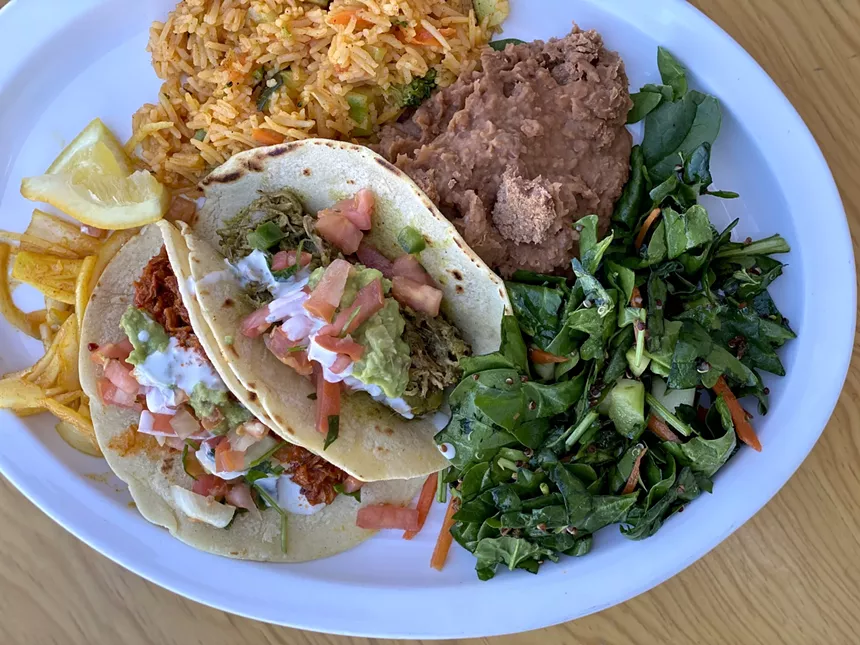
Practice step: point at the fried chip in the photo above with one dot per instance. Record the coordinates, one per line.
(27, 242)
(8, 308)
(78, 439)
(66, 399)
(56, 230)
(52, 275)
(77, 430)
(19, 394)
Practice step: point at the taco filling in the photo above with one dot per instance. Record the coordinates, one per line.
(237, 463)
(337, 310)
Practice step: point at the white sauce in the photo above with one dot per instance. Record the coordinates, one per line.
(143, 336)
(175, 368)
(290, 498)
(448, 450)
(191, 285)
(288, 495)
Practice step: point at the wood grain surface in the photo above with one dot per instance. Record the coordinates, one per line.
(790, 575)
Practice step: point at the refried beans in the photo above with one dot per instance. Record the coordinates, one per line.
(515, 154)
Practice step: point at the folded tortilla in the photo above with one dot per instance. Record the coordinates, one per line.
(150, 469)
(374, 442)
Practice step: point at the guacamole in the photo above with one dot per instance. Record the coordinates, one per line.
(204, 400)
(386, 358)
(146, 335)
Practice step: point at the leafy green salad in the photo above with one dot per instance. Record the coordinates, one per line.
(614, 398)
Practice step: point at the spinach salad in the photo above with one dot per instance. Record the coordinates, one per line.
(614, 396)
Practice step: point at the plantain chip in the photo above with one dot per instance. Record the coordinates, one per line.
(80, 440)
(18, 394)
(8, 308)
(53, 276)
(56, 230)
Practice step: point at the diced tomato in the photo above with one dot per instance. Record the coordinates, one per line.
(387, 516)
(372, 258)
(210, 486)
(256, 324)
(120, 351)
(337, 345)
(171, 442)
(369, 300)
(418, 296)
(340, 231)
(161, 423)
(239, 495)
(110, 394)
(286, 259)
(181, 210)
(227, 459)
(120, 375)
(326, 297)
(357, 209)
(340, 364)
(408, 266)
(328, 400)
(253, 428)
(351, 484)
(184, 424)
(213, 420)
(282, 347)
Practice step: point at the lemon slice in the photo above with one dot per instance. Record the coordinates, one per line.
(92, 181)
(94, 147)
(101, 200)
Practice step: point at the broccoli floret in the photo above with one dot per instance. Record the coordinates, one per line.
(416, 92)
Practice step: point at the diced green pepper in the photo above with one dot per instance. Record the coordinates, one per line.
(411, 240)
(359, 111)
(265, 236)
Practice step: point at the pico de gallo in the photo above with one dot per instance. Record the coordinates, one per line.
(236, 463)
(338, 311)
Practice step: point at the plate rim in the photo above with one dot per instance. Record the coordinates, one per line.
(17, 10)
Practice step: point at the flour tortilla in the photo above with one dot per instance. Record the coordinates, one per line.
(149, 470)
(374, 442)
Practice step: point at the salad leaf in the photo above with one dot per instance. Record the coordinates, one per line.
(671, 71)
(510, 551)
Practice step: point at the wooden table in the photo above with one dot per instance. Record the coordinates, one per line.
(790, 575)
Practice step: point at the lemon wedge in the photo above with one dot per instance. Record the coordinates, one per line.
(92, 181)
(101, 200)
(95, 147)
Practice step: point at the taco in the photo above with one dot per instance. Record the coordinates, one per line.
(199, 459)
(345, 303)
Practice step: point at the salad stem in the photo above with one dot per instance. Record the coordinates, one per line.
(670, 418)
(580, 429)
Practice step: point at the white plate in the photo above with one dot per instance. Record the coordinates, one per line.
(63, 63)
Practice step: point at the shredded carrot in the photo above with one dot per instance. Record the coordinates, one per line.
(630, 486)
(540, 357)
(739, 415)
(342, 18)
(646, 225)
(443, 544)
(425, 501)
(662, 429)
(636, 298)
(267, 137)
